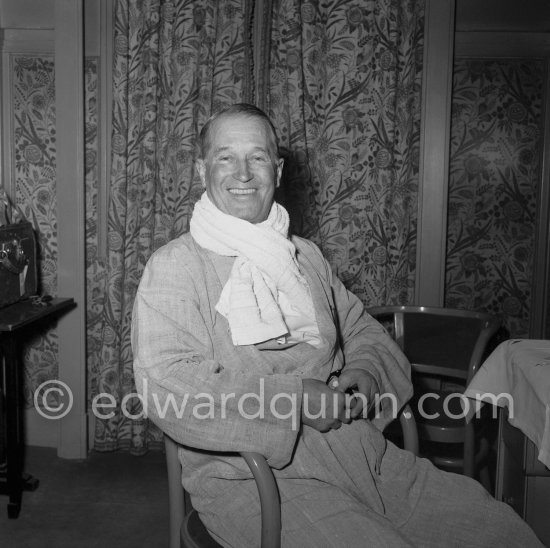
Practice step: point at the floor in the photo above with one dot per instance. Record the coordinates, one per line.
(108, 500)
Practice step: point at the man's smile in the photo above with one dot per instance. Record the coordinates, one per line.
(242, 190)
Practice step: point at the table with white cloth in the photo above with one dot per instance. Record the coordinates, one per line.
(516, 377)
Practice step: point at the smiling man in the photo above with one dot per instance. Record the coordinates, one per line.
(240, 167)
(248, 323)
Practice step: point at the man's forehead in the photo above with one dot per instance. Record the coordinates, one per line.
(230, 146)
(232, 130)
(239, 124)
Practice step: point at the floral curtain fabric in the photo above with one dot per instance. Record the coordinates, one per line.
(495, 173)
(175, 63)
(342, 84)
(33, 164)
(34, 179)
(344, 89)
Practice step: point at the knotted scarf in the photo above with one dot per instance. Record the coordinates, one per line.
(266, 296)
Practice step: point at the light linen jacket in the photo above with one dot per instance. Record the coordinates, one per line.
(248, 398)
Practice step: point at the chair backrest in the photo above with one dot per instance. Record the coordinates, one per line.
(441, 341)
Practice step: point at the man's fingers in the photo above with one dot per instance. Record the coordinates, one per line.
(357, 410)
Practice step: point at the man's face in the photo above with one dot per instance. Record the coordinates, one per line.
(241, 170)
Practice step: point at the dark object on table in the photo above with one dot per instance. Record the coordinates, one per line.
(18, 275)
(18, 266)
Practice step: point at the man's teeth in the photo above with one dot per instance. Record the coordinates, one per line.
(242, 190)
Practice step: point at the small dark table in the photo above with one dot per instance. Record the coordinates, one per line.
(16, 323)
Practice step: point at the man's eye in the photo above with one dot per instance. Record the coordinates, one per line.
(259, 158)
(224, 158)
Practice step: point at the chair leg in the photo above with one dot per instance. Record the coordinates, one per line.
(485, 478)
(469, 450)
(176, 493)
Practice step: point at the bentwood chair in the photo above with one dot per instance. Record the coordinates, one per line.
(186, 528)
(445, 347)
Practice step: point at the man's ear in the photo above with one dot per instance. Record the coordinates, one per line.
(280, 164)
(201, 170)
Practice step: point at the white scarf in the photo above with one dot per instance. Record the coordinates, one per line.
(266, 296)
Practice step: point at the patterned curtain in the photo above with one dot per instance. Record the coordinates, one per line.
(344, 88)
(342, 83)
(495, 173)
(32, 82)
(175, 62)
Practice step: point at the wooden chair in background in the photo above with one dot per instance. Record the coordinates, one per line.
(445, 347)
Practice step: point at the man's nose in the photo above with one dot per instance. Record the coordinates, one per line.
(242, 171)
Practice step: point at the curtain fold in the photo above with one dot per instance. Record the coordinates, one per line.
(343, 87)
(175, 63)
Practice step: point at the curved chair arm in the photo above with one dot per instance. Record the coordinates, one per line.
(410, 433)
(269, 499)
(491, 326)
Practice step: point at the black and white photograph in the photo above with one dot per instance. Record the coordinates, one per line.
(274, 273)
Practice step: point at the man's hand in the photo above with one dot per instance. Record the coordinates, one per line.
(323, 408)
(362, 385)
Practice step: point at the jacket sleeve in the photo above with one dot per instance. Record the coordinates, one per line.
(190, 396)
(367, 345)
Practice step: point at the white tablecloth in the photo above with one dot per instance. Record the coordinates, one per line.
(517, 376)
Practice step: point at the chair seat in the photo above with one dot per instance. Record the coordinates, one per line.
(194, 534)
(451, 457)
(442, 409)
